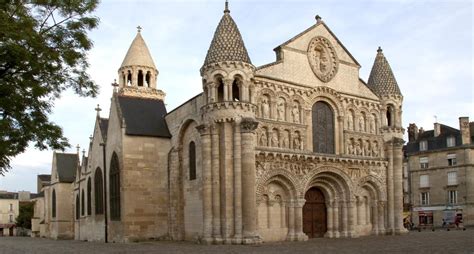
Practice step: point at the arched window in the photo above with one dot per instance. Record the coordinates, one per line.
(140, 78)
(89, 196)
(192, 161)
(323, 128)
(114, 188)
(148, 79)
(99, 192)
(77, 206)
(82, 203)
(235, 91)
(220, 90)
(53, 204)
(129, 79)
(390, 115)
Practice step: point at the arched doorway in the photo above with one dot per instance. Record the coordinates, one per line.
(314, 213)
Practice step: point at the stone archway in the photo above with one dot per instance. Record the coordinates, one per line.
(314, 213)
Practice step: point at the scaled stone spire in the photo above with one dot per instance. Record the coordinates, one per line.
(138, 53)
(381, 79)
(227, 44)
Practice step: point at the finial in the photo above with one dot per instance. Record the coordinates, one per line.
(83, 152)
(98, 109)
(90, 138)
(379, 50)
(115, 85)
(226, 10)
(318, 19)
(139, 29)
(78, 148)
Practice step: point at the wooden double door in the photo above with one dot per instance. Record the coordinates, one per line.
(314, 213)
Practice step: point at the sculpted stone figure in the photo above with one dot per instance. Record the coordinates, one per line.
(350, 122)
(361, 124)
(263, 138)
(350, 147)
(358, 148)
(375, 149)
(367, 151)
(281, 109)
(295, 112)
(265, 108)
(274, 139)
(284, 141)
(372, 125)
(296, 143)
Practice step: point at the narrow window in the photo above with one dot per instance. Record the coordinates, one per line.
(452, 159)
(82, 203)
(323, 128)
(129, 79)
(53, 204)
(220, 90)
(192, 161)
(424, 181)
(389, 116)
(424, 163)
(11, 207)
(452, 196)
(77, 207)
(235, 91)
(89, 196)
(425, 198)
(114, 188)
(11, 218)
(148, 79)
(423, 145)
(140, 78)
(450, 141)
(452, 178)
(99, 192)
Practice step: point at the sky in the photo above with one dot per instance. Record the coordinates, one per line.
(429, 45)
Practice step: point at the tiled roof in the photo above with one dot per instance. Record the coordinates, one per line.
(227, 44)
(138, 54)
(66, 165)
(381, 79)
(144, 117)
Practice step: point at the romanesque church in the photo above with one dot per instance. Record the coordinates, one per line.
(298, 148)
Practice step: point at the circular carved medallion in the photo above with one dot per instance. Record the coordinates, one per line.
(322, 58)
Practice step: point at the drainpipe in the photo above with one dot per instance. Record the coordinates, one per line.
(105, 193)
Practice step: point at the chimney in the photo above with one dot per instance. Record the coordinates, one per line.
(437, 129)
(412, 132)
(464, 128)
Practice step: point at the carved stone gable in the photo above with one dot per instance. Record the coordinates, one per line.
(322, 58)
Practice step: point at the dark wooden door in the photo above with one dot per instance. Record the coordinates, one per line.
(314, 213)
(11, 231)
(323, 128)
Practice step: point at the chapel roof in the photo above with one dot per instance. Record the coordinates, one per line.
(227, 43)
(66, 166)
(45, 178)
(381, 79)
(138, 54)
(103, 125)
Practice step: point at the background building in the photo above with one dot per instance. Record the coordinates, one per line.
(441, 172)
(9, 209)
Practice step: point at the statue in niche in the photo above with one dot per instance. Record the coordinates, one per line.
(275, 139)
(284, 140)
(296, 113)
(263, 138)
(358, 148)
(281, 109)
(321, 59)
(372, 125)
(350, 122)
(350, 147)
(265, 108)
(375, 149)
(296, 142)
(367, 151)
(361, 124)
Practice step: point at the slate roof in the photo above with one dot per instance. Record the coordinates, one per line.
(9, 195)
(435, 143)
(381, 79)
(45, 178)
(66, 165)
(103, 125)
(138, 54)
(144, 117)
(227, 43)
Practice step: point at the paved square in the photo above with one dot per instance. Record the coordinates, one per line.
(414, 242)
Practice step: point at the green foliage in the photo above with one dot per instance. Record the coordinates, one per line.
(43, 52)
(26, 213)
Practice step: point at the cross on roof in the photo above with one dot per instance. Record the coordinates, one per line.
(139, 29)
(98, 109)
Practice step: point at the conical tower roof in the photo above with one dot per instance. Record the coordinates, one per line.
(138, 54)
(227, 44)
(381, 79)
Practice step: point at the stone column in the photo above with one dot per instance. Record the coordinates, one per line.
(330, 219)
(252, 93)
(206, 149)
(216, 212)
(237, 184)
(398, 185)
(359, 211)
(228, 89)
(367, 211)
(375, 218)
(339, 139)
(299, 235)
(270, 204)
(335, 209)
(282, 214)
(291, 222)
(352, 219)
(381, 213)
(344, 219)
(249, 202)
(390, 198)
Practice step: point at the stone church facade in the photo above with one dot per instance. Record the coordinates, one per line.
(298, 148)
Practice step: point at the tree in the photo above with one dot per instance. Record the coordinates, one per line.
(43, 52)
(25, 214)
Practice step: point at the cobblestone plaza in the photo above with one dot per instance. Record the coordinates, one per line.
(413, 242)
